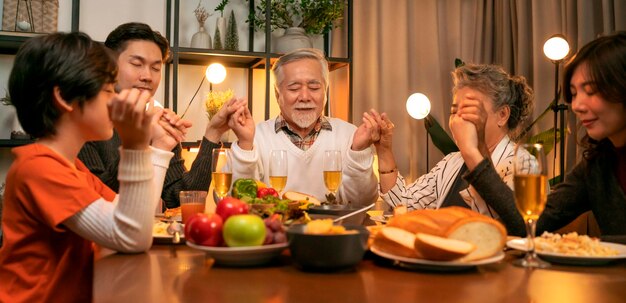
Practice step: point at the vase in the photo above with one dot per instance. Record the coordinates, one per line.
(294, 38)
(201, 39)
(220, 24)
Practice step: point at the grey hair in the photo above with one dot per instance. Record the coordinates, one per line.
(300, 54)
(502, 88)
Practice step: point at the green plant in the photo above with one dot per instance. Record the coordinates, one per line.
(315, 16)
(220, 7)
(232, 37)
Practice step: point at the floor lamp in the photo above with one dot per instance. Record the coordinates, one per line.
(418, 107)
(215, 74)
(556, 49)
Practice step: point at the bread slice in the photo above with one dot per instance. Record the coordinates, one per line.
(298, 196)
(396, 241)
(416, 222)
(441, 249)
(487, 234)
(400, 210)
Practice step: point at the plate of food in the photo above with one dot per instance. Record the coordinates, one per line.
(415, 263)
(572, 249)
(171, 214)
(242, 256)
(160, 234)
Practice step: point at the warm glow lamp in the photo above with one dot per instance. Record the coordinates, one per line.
(418, 107)
(215, 74)
(556, 49)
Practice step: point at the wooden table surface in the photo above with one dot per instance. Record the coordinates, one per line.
(177, 273)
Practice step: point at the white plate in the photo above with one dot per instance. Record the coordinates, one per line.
(520, 244)
(413, 263)
(242, 256)
(163, 237)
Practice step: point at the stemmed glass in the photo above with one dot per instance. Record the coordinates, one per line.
(278, 169)
(332, 171)
(221, 171)
(530, 177)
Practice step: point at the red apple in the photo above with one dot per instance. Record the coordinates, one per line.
(231, 206)
(204, 229)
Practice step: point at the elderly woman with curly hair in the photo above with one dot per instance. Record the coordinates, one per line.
(508, 101)
(595, 86)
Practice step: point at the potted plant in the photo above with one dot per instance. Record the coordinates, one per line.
(298, 18)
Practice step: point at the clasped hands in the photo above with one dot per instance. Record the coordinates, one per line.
(376, 129)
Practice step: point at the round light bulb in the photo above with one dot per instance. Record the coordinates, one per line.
(556, 48)
(215, 73)
(418, 106)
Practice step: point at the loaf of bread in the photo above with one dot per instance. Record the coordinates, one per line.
(298, 196)
(481, 237)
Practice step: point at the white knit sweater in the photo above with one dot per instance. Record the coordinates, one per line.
(305, 172)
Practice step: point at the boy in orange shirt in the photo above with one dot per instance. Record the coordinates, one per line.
(62, 86)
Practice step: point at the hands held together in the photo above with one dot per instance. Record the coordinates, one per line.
(376, 129)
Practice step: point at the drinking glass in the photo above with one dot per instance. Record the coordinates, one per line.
(332, 171)
(191, 202)
(530, 178)
(278, 169)
(221, 171)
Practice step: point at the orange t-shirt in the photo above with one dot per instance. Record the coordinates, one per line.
(40, 259)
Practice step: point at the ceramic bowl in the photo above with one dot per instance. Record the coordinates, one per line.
(327, 252)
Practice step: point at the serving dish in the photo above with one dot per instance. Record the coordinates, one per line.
(327, 252)
(423, 264)
(242, 256)
(335, 211)
(520, 244)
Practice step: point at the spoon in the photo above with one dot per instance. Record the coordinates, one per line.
(174, 229)
(360, 210)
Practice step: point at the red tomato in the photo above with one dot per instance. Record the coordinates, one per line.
(267, 191)
(231, 206)
(204, 229)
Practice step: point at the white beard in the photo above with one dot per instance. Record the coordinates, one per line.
(304, 120)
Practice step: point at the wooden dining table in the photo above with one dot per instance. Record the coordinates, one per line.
(178, 273)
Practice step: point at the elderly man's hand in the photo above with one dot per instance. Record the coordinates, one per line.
(376, 129)
(242, 124)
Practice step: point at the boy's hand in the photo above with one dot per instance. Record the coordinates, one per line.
(131, 119)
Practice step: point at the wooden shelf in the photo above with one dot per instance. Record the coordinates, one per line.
(14, 142)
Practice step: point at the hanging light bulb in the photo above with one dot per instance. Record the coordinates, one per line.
(215, 73)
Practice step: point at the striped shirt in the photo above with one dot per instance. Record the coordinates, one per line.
(431, 189)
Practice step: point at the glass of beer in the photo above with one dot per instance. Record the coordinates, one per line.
(332, 171)
(530, 177)
(278, 169)
(221, 169)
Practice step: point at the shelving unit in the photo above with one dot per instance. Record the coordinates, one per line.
(248, 60)
(10, 42)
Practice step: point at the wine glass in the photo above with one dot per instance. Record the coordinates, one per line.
(221, 171)
(278, 169)
(530, 176)
(332, 171)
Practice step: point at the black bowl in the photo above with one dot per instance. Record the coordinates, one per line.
(327, 252)
(335, 211)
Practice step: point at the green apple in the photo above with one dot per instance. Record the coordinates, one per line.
(244, 230)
